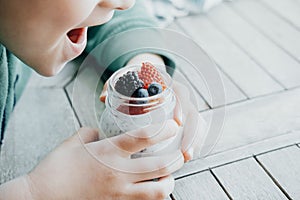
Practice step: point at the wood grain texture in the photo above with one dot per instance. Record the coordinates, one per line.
(41, 120)
(288, 9)
(200, 186)
(273, 26)
(232, 92)
(247, 180)
(83, 93)
(234, 155)
(277, 62)
(195, 96)
(260, 119)
(250, 127)
(284, 166)
(236, 63)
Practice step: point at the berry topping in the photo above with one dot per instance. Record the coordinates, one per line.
(154, 89)
(149, 74)
(140, 93)
(128, 83)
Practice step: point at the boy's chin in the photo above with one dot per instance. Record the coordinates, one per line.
(49, 71)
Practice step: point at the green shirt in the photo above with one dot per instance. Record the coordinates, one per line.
(14, 74)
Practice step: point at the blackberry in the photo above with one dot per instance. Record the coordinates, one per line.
(128, 83)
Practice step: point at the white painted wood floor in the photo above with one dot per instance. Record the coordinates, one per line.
(256, 46)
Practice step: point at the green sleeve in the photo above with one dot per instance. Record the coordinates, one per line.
(134, 18)
(13, 78)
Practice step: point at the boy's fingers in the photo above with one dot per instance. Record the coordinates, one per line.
(104, 92)
(88, 135)
(137, 140)
(178, 115)
(194, 133)
(182, 102)
(147, 168)
(83, 135)
(158, 190)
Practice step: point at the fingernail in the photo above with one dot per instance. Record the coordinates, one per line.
(191, 153)
(103, 95)
(178, 121)
(188, 155)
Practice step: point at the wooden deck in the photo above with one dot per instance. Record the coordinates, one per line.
(256, 46)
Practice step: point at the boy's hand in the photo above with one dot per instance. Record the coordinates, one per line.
(194, 127)
(71, 172)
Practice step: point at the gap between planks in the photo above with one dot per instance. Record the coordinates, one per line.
(71, 105)
(216, 161)
(239, 10)
(246, 52)
(254, 98)
(285, 17)
(220, 184)
(272, 178)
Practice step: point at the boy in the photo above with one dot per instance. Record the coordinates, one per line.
(46, 35)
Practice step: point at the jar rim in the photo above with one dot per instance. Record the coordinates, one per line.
(122, 71)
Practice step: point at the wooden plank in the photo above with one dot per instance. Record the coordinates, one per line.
(239, 153)
(247, 180)
(200, 104)
(238, 65)
(273, 26)
(42, 119)
(84, 92)
(179, 76)
(284, 167)
(58, 81)
(200, 186)
(252, 125)
(288, 9)
(257, 120)
(232, 92)
(277, 62)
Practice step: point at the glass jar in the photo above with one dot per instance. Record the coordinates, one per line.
(123, 114)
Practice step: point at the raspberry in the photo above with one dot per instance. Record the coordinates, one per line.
(149, 74)
(128, 83)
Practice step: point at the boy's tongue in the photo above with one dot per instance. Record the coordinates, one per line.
(75, 34)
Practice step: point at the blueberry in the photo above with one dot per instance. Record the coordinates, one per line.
(140, 93)
(154, 89)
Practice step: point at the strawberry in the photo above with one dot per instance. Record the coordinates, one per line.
(149, 74)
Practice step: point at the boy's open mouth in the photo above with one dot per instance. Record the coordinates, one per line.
(77, 35)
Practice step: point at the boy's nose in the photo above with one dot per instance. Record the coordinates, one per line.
(98, 16)
(117, 4)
